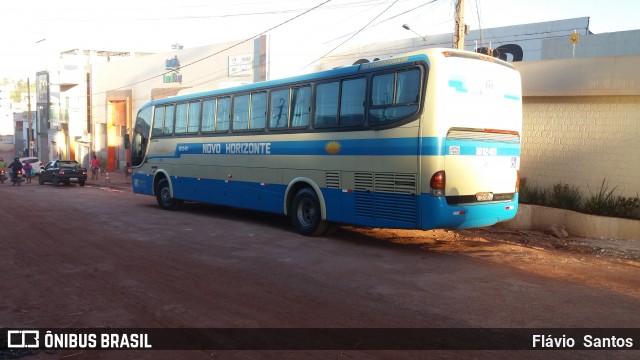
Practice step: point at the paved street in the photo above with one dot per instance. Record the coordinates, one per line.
(100, 256)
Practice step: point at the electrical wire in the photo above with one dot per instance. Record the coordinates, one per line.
(225, 49)
(352, 36)
(388, 19)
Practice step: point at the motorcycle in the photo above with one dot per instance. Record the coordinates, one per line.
(3, 176)
(17, 178)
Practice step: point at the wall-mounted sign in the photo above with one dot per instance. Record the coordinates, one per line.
(42, 87)
(173, 76)
(241, 65)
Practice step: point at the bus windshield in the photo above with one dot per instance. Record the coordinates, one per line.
(140, 136)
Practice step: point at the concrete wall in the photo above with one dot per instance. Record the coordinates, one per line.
(581, 123)
(606, 75)
(593, 45)
(581, 140)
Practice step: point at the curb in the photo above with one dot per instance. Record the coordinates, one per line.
(535, 217)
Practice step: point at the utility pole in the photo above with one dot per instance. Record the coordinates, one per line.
(460, 30)
(29, 139)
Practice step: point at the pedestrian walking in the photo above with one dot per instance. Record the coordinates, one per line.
(28, 168)
(95, 166)
(127, 173)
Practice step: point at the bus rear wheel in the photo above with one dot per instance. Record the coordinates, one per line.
(306, 214)
(163, 196)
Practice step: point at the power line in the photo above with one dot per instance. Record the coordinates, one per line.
(352, 36)
(390, 18)
(225, 49)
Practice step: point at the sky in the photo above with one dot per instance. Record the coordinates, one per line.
(33, 30)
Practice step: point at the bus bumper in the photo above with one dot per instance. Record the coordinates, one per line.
(437, 214)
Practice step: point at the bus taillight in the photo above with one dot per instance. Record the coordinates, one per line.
(517, 180)
(438, 183)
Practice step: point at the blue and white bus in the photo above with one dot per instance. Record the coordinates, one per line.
(426, 140)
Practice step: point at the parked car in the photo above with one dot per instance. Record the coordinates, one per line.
(36, 164)
(63, 171)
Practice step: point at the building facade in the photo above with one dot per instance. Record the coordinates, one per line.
(118, 89)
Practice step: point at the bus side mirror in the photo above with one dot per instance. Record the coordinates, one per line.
(127, 141)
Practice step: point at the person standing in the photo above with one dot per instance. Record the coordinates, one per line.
(26, 166)
(3, 166)
(95, 166)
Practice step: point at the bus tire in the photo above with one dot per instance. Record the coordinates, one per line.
(306, 214)
(163, 196)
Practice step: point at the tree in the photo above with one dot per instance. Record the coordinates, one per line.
(19, 89)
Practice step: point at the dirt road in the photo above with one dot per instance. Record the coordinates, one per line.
(98, 257)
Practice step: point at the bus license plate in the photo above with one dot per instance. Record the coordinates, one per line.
(484, 196)
(74, 179)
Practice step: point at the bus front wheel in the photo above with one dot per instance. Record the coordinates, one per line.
(163, 195)
(306, 213)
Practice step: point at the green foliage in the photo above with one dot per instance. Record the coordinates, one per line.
(628, 207)
(532, 194)
(603, 202)
(566, 197)
(20, 88)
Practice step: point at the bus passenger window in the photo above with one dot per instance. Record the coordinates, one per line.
(394, 96)
(326, 113)
(168, 120)
(383, 89)
(194, 117)
(408, 87)
(208, 115)
(258, 110)
(352, 101)
(241, 112)
(158, 117)
(301, 105)
(279, 109)
(223, 114)
(181, 118)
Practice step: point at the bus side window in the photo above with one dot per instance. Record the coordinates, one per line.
(169, 111)
(326, 114)
(223, 114)
(279, 109)
(258, 110)
(241, 112)
(181, 118)
(394, 96)
(208, 115)
(352, 101)
(158, 118)
(301, 105)
(408, 87)
(194, 117)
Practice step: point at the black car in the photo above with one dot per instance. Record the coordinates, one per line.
(63, 171)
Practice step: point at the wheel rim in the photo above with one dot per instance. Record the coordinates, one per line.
(306, 213)
(165, 195)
